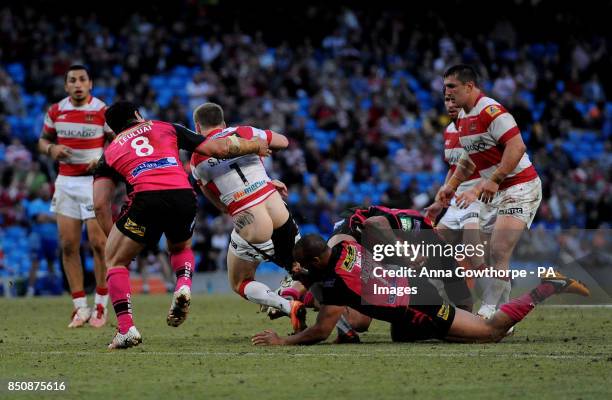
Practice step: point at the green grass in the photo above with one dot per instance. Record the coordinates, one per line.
(556, 353)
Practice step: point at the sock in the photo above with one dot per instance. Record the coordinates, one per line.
(518, 308)
(259, 293)
(183, 264)
(343, 325)
(290, 292)
(493, 290)
(308, 299)
(505, 296)
(78, 299)
(101, 296)
(118, 281)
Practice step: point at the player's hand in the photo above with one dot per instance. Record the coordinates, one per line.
(445, 194)
(264, 149)
(466, 198)
(267, 338)
(487, 188)
(281, 188)
(433, 211)
(92, 165)
(60, 152)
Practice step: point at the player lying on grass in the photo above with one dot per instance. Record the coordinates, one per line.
(145, 155)
(338, 269)
(376, 223)
(263, 227)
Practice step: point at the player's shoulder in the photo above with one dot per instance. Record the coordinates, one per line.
(450, 128)
(97, 104)
(197, 159)
(488, 109)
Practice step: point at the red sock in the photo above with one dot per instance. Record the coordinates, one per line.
(101, 291)
(118, 281)
(308, 299)
(183, 264)
(76, 295)
(518, 308)
(290, 292)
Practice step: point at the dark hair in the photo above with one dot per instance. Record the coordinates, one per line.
(76, 67)
(208, 115)
(309, 247)
(464, 73)
(120, 115)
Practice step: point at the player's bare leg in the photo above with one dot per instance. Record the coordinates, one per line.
(69, 230)
(120, 250)
(97, 241)
(467, 327)
(241, 275)
(506, 234)
(182, 261)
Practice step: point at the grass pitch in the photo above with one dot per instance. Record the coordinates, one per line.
(556, 353)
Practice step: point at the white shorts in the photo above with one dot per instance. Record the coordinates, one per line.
(256, 252)
(73, 197)
(456, 218)
(519, 201)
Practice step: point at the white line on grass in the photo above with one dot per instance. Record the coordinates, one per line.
(442, 354)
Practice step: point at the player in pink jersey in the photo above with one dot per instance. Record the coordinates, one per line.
(145, 155)
(74, 134)
(263, 226)
(509, 185)
(347, 279)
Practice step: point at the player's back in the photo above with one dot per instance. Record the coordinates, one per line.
(240, 182)
(147, 156)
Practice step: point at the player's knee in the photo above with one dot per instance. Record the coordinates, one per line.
(97, 246)
(501, 252)
(70, 248)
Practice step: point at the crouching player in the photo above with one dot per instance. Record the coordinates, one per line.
(145, 155)
(339, 267)
(263, 227)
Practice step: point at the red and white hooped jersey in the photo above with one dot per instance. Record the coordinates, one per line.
(83, 129)
(240, 183)
(483, 133)
(453, 152)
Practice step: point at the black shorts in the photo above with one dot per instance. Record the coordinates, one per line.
(154, 213)
(422, 322)
(284, 239)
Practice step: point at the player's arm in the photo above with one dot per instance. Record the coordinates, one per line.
(465, 168)
(227, 147)
(434, 209)
(214, 199)
(326, 321)
(277, 141)
(103, 190)
(47, 141)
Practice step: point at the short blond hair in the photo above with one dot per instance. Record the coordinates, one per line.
(208, 115)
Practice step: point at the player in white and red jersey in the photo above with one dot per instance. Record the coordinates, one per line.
(74, 133)
(509, 185)
(457, 225)
(145, 155)
(263, 226)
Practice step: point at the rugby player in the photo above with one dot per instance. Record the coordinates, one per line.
(145, 155)
(375, 225)
(508, 186)
(263, 226)
(339, 265)
(74, 134)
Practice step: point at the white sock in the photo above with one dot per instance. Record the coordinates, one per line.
(259, 293)
(343, 325)
(101, 299)
(80, 302)
(493, 291)
(505, 296)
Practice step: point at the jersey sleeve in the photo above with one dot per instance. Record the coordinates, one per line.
(105, 171)
(48, 130)
(501, 124)
(249, 132)
(187, 139)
